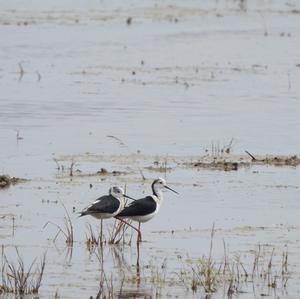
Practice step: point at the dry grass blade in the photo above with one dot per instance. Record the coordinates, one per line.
(117, 234)
(18, 280)
(205, 273)
(73, 163)
(35, 284)
(266, 271)
(68, 231)
(121, 143)
(21, 71)
(91, 240)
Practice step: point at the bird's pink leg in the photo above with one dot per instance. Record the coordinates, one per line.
(136, 229)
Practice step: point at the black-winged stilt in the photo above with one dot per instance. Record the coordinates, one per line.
(144, 209)
(107, 206)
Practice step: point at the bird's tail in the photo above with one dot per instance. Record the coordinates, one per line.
(83, 213)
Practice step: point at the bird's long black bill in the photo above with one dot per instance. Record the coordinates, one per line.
(129, 197)
(171, 189)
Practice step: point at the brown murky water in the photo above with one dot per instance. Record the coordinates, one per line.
(175, 82)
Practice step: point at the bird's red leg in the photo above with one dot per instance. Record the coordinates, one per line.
(136, 229)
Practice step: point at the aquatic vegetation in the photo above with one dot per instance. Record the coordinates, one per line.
(19, 280)
(67, 231)
(119, 92)
(90, 238)
(117, 234)
(232, 274)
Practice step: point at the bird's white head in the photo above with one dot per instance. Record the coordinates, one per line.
(116, 192)
(158, 185)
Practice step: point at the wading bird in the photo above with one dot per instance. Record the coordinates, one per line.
(107, 206)
(144, 209)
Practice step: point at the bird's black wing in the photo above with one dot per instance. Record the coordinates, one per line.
(104, 204)
(140, 207)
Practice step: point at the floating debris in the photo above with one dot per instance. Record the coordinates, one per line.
(129, 21)
(104, 172)
(159, 168)
(221, 165)
(228, 163)
(6, 181)
(134, 293)
(282, 160)
(293, 160)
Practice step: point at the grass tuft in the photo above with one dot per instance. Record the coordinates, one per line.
(18, 280)
(67, 231)
(117, 234)
(208, 274)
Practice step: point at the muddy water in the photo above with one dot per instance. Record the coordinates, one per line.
(181, 78)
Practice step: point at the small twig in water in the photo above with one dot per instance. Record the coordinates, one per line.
(21, 72)
(39, 77)
(265, 25)
(57, 164)
(142, 175)
(253, 158)
(18, 137)
(13, 226)
(117, 139)
(73, 163)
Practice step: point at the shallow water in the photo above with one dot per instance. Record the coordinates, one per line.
(180, 79)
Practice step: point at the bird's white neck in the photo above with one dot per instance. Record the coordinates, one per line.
(158, 196)
(122, 203)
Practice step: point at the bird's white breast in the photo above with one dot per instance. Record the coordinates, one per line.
(148, 217)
